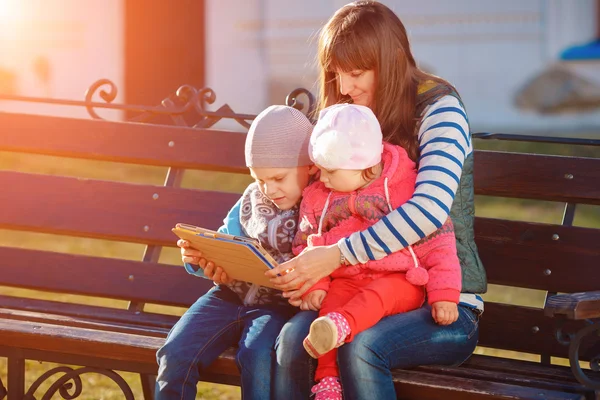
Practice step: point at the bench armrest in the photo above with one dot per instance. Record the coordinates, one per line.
(576, 306)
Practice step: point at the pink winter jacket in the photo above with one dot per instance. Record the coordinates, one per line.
(356, 211)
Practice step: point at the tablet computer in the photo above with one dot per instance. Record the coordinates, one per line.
(242, 258)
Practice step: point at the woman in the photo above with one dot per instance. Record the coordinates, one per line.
(365, 59)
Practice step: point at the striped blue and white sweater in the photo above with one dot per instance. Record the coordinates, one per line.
(444, 144)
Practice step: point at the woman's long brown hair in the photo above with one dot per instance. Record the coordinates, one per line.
(367, 35)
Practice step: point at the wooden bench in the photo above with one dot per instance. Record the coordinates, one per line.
(552, 258)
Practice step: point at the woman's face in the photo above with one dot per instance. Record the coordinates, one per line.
(359, 85)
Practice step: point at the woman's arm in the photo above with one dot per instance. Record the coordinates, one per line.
(445, 142)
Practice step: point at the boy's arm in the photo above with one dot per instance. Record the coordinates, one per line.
(231, 226)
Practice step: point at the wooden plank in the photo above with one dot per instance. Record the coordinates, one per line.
(417, 384)
(80, 341)
(525, 254)
(101, 277)
(512, 372)
(107, 210)
(534, 370)
(539, 177)
(223, 370)
(147, 144)
(89, 323)
(574, 305)
(96, 313)
(526, 329)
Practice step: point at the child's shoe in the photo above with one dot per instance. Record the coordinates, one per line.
(326, 333)
(329, 388)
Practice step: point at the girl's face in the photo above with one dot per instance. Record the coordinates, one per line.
(359, 85)
(342, 180)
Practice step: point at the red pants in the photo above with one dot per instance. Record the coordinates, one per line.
(363, 302)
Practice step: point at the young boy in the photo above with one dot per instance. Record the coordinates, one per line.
(241, 313)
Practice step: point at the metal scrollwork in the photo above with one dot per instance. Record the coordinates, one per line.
(69, 385)
(108, 97)
(186, 103)
(574, 348)
(292, 101)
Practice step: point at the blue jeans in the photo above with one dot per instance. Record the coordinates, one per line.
(215, 322)
(399, 341)
(294, 368)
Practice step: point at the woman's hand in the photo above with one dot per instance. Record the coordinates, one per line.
(302, 272)
(192, 256)
(444, 312)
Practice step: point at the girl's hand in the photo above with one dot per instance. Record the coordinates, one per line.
(302, 272)
(192, 256)
(444, 312)
(313, 300)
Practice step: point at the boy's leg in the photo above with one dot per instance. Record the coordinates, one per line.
(388, 295)
(208, 328)
(256, 355)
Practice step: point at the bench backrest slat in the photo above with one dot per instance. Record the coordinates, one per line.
(107, 210)
(100, 277)
(524, 329)
(552, 178)
(528, 255)
(168, 146)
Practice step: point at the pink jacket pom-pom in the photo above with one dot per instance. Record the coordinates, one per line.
(417, 276)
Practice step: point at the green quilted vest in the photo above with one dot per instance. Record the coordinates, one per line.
(462, 212)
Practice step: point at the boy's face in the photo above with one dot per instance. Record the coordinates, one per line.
(343, 180)
(283, 186)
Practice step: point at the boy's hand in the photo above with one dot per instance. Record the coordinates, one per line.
(313, 300)
(444, 312)
(192, 256)
(189, 254)
(215, 273)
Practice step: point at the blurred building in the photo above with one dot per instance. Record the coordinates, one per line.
(253, 52)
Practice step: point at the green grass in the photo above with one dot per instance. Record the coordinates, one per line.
(99, 387)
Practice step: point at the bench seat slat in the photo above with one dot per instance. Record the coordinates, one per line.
(106, 210)
(543, 177)
(521, 377)
(417, 384)
(81, 341)
(47, 318)
(524, 254)
(137, 143)
(92, 313)
(530, 369)
(101, 277)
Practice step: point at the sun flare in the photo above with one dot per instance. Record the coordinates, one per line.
(9, 9)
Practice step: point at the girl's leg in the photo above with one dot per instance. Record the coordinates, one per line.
(256, 355)
(403, 341)
(340, 292)
(207, 328)
(294, 368)
(388, 295)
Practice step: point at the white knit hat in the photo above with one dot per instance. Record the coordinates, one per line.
(278, 138)
(347, 136)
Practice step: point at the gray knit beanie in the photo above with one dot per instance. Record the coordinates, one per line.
(278, 138)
